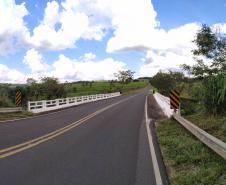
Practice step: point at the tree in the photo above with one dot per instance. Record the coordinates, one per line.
(30, 81)
(51, 88)
(165, 82)
(48, 88)
(124, 76)
(212, 47)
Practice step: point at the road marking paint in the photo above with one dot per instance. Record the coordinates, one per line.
(158, 177)
(34, 142)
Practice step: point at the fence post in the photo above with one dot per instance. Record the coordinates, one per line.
(44, 104)
(28, 106)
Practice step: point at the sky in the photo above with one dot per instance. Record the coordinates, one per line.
(75, 40)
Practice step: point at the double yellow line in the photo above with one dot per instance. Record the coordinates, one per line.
(34, 142)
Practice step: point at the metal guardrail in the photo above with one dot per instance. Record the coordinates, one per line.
(212, 142)
(48, 105)
(9, 110)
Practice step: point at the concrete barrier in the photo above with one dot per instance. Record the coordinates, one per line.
(212, 142)
(9, 110)
(164, 103)
(48, 105)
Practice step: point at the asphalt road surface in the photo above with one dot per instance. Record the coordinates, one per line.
(99, 143)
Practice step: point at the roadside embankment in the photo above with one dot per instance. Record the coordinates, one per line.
(187, 159)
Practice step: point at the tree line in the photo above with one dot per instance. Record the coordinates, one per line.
(209, 72)
(50, 88)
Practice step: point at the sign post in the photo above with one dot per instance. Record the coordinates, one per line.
(175, 100)
(18, 98)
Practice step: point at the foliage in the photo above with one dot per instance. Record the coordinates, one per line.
(165, 82)
(102, 87)
(211, 46)
(50, 88)
(7, 95)
(215, 94)
(4, 96)
(30, 81)
(124, 76)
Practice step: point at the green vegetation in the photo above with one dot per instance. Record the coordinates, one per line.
(79, 89)
(215, 126)
(211, 46)
(16, 115)
(206, 90)
(50, 88)
(203, 102)
(165, 82)
(189, 162)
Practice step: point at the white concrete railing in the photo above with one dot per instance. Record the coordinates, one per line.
(164, 103)
(48, 105)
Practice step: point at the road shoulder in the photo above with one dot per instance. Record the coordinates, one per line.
(155, 114)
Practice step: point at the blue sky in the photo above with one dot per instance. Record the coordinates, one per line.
(90, 39)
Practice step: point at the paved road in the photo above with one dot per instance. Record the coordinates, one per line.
(110, 148)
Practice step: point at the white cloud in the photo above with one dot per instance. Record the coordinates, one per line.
(35, 61)
(12, 26)
(219, 27)
(164, 61)
(88, 57)
(67, 69)
(8, 75)
(86, 67)
(64, 24)
(142, 33)
(134, 22)
(171, 50)
(72, 27)
(51, 16)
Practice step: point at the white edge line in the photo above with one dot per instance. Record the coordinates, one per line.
(158, 178)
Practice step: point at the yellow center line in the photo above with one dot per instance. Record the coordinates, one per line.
(34, 142)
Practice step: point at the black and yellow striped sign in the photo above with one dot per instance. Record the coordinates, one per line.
(18, 98)
(174, 99)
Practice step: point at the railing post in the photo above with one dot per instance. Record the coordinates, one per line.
(44, 104)
(28, 106)
(57, 103)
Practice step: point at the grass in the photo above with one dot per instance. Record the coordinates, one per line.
(189, 162)
(15, 115)
(215, 126)
(102, 87)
